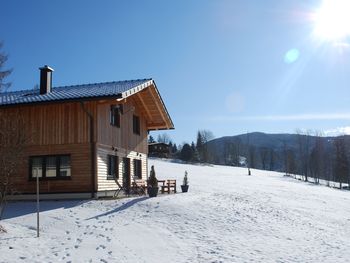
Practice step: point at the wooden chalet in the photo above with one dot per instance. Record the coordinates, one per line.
(159, 149)
(83, 138)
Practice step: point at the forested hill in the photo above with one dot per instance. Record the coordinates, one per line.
(265, 150)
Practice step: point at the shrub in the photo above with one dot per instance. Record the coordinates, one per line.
(185, 181)
(152, 180)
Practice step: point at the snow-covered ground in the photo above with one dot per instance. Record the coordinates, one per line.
(226, 216)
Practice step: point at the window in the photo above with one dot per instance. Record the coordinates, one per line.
(138, 168)
(50, 167)
(112, 167)
(136, 124)
(64, 167)
(115, 115)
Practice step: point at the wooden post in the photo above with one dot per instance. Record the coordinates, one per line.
(37, 203)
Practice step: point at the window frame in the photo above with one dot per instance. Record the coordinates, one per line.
(136, 124)
(112, 159)
(43, 167)
(138, 168)
(115, 115)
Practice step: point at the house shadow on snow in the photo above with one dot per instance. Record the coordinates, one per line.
(20, 208)
(120, 208)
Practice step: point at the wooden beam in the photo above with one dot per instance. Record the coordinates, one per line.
(157, 128)
(159, 108)
(158, 125)
(144, 105)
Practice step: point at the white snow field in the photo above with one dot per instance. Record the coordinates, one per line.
(226, 216)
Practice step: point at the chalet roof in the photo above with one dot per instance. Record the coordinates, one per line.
(76, 92)
(145, 91)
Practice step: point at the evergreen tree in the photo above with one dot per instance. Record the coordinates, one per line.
(199, 146)
(186, 153)
(193, 146)
(151, 139)
(152, 180)
(195, 156)
(174, 148)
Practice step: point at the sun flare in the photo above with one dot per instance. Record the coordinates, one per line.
(332, 20)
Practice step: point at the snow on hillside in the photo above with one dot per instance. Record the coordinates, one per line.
(226, 216)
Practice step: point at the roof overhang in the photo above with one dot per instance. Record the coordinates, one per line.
(151, 104)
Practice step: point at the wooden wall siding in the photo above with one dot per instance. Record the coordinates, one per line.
(63, 128)
(102, 151)
(80, 170)
(59, 123)
(122, 137)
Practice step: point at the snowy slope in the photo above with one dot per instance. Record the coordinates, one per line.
(226, 216)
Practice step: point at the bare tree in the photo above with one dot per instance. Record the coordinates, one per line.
(235, 152)
(328, 166)
(13, 139)
(272, 159)
(303, 140)
(317, 164)
(205, 136)
(248, 161)
(231, 153)
(341, 164)
(164, 138)
(264, 154)
(285, 158)
(291, 163)
(251, 157)
(227, 153)
(3, 72)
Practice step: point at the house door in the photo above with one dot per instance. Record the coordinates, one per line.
(126, 173)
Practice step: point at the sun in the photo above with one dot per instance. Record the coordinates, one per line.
(332, 20)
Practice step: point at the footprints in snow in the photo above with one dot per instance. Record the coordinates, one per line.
(85, 233)
(101, 247)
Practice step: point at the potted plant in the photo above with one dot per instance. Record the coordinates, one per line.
(152, 188)
(184, 186)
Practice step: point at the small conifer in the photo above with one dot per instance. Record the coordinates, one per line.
(185, 181)
(152, 180)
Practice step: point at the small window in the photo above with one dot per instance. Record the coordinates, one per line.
(64, 166)
(115, 115)
(138, 168)
(112, 167)
(50, 167)
(136, 124)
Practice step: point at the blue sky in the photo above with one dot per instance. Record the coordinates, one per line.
(226, 66)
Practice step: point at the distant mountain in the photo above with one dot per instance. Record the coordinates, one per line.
(220, 147)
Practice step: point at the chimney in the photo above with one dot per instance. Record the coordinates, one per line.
(45, 79)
